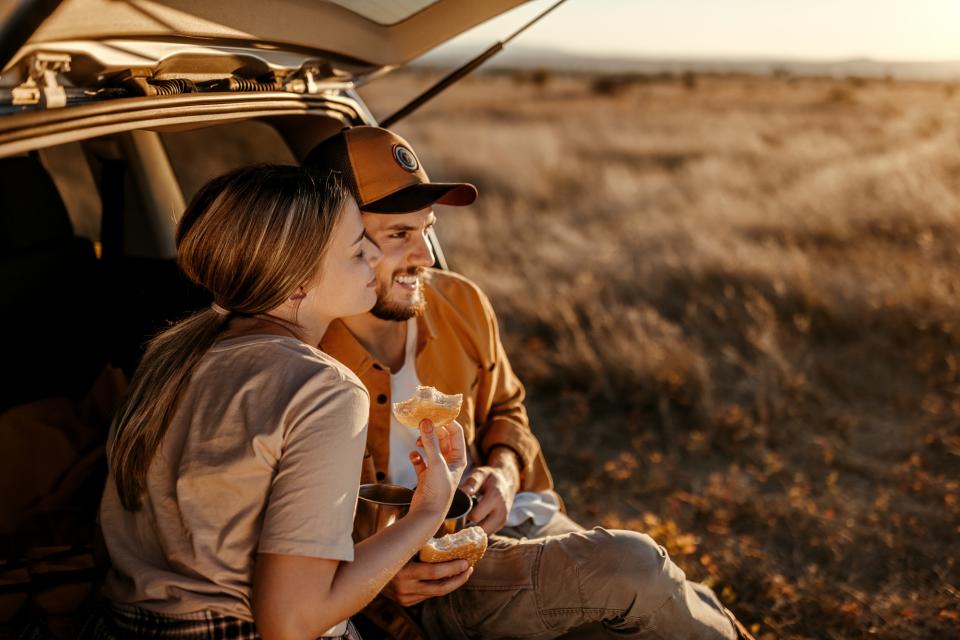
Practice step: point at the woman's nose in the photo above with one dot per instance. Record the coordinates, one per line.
(372, 252)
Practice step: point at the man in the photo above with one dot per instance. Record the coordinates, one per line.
(436, 328)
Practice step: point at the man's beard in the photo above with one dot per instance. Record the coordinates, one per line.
(387, 310)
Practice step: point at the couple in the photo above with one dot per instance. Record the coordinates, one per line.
(236, 459)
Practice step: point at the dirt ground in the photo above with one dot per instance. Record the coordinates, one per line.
(734, 301)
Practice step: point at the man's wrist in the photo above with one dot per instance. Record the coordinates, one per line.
(506, 459)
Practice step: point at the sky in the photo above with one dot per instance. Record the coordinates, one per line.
(892, 30)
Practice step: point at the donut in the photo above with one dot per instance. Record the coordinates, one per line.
(428, 404)
(469, 544)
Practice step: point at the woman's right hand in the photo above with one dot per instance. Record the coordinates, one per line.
(439, 475)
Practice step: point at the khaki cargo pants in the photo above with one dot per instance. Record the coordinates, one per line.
(575, 583)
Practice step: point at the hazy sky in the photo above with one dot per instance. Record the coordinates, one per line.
(817, 29)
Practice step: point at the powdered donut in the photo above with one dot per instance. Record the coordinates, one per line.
(428, 404)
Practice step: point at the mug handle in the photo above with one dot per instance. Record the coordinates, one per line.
(474, 499)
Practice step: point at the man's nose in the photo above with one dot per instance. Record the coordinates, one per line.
(422, 252)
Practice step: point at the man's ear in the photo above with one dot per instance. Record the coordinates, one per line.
(299, 295)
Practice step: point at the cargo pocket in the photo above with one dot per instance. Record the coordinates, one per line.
(500, 599)
(497, 613)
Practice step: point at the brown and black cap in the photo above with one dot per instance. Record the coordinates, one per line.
(383, 173)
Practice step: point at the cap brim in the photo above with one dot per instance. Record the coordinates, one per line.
(420, 196)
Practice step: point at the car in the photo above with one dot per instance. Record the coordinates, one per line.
(112, 115)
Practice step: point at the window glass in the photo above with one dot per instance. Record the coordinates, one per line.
(200, 155)
(385, 12)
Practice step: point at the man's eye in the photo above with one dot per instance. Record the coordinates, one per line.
(399, 234)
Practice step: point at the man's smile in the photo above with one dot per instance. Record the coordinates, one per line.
(407, 282)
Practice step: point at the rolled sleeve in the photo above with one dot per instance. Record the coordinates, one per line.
(507, 423)
(504, 433)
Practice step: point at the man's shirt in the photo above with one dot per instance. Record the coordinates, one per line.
(458, 350)
(539, 506)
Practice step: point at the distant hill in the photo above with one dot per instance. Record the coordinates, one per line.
(519, 57)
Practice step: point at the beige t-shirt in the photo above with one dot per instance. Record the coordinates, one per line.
(263, 454)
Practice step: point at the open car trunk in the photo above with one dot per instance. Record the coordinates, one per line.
(374, 34)
(112, 115)
(94, 67)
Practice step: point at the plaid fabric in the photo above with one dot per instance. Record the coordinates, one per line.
(119, 622)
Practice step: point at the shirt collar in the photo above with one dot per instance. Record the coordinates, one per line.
(340, 343)
(426, 325)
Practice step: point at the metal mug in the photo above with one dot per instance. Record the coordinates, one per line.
(456, 518)
(380, 505)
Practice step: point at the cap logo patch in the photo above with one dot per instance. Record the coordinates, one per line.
(405, 158)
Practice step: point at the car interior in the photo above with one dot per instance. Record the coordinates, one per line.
(112, 116)
(88, 274)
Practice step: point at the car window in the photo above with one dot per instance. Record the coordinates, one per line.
(385, 13)
(200, 155)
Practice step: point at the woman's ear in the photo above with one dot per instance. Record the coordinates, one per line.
(294, 299)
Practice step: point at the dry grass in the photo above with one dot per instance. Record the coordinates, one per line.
(735, 303)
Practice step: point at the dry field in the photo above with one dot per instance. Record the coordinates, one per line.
(736, 304)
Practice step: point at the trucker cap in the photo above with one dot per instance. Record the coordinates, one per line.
(383, 173)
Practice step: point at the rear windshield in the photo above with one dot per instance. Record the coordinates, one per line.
(385, 12)
(200, 155)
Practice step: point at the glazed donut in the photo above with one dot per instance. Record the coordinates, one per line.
(428, 404)
(469, 544)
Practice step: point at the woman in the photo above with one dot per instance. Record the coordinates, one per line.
(235, 461)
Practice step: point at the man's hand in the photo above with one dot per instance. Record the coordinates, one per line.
(497, 483)
(418, 581)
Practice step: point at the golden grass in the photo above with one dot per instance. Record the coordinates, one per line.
(735, 303)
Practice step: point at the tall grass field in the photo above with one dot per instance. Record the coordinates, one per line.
(735, 303)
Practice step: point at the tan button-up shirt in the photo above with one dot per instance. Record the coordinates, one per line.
(458, 351)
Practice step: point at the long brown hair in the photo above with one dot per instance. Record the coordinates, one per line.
(251, 237)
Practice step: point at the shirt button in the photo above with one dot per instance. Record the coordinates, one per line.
(382, 398)
(381, 476)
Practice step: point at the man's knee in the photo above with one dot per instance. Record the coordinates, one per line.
(623, 580)
(658, 591)
(627, 569)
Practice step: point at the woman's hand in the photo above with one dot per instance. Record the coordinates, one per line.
(438, 475)
(417, 581)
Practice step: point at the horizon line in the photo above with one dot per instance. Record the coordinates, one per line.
(702, 57)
